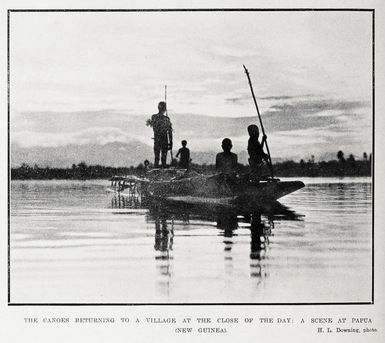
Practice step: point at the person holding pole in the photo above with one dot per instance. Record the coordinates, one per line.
(162, 127)
(255, 149)
(264, 139)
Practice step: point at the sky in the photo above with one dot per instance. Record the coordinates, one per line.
(94, 78)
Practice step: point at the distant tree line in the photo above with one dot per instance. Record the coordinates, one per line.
(339, 167)
(81, 171)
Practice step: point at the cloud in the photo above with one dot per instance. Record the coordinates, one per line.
(60, 122)
(122, 60)
(276, 97)
(288, 116)
(239, 99)
(246, 98)
(314, 114)
(319, 105)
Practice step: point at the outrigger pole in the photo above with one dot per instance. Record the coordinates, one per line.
(260, 121)
(165, 100)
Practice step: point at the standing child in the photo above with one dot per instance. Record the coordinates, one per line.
(184, 156)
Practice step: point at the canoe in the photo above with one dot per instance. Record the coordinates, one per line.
(186, 186)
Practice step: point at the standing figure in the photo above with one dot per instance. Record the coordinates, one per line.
(184, 156)
(255, 149)
(161, 125)
(226, 161)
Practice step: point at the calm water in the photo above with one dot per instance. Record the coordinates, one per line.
(72, 241)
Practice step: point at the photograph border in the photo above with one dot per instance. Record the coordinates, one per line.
(372, 10)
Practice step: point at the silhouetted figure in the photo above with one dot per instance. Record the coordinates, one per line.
(226, 161)
(184, 153)
(340, 156)
(255, 149)
(161, 125)
(341, 163)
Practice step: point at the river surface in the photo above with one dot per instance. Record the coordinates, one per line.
(75, 242)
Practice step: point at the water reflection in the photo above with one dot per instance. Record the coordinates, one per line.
(119, 201)
(164, 215)
(164, 235)
(260, 233)
(227, 224)
(65, 233)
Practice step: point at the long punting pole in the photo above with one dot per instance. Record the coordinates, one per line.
(165, 100)
(260, 121)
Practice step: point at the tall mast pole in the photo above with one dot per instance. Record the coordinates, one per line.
(165, 100)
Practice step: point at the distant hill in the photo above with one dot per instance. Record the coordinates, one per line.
(110, 154)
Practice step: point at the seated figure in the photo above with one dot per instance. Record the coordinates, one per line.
(226, 161)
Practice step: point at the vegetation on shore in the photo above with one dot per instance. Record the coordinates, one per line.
(338, 167)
